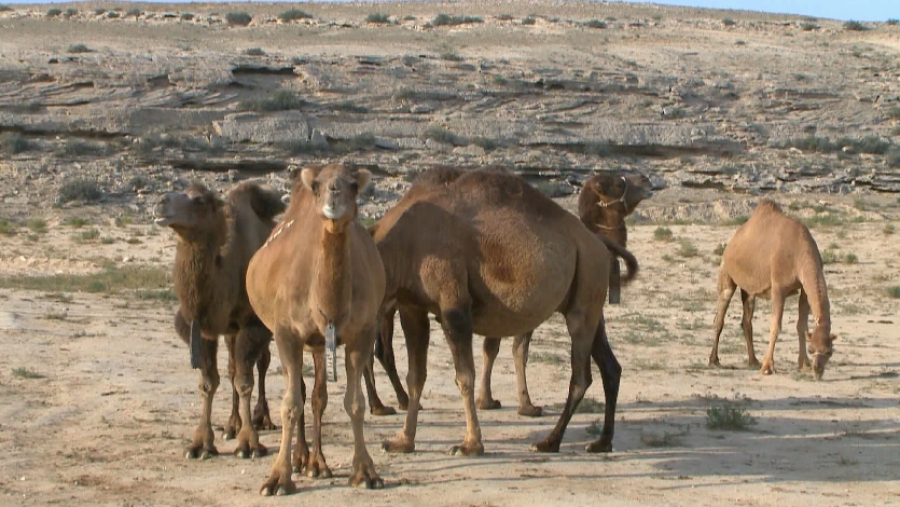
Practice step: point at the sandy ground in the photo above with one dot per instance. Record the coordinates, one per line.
(106, 423)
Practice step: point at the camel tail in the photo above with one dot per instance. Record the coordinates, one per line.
(265, 201)
(620, 251)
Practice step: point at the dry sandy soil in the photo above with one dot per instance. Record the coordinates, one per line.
(97, 398)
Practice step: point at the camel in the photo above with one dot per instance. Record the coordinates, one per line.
(487, 253)
(317, 283)
(775, 256)
(605, 201)
(216, 239)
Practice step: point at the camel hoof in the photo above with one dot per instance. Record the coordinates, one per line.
(467, 450)
(379, 411)
(398, 447)
(599, 446)
(229, 433)
(713, 361)
(275, 486)
(531, 411)
(767, 369)
(264, 423)
(317, 470)
(247, 452)
(545, 446)
(200, 453)
(366, 475)
(487, 404)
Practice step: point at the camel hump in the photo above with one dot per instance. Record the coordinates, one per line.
(502, 188)
(265, 201)
(767, 206)
(437, 177)
(619, 251)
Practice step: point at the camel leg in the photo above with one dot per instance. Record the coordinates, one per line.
(726, 291)
(520, 354)
(582, 342)
(418, 334)
(301, 451)
(768, 365)
(376, 407)
(485, 399)
(203, 445)
(611, 373)
(234, 421)
(802, 327)
(457, 324)
(384, 351)
(316, 466)
(261, 418)
(291, 353)
(248, 346)
(358, 353)
(747, 325)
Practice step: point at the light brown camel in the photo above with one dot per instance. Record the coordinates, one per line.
(319, 279)
(216, 239)
(605, 201)
(774, 256)
(487, 253)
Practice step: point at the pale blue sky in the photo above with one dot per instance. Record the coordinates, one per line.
(861, 10)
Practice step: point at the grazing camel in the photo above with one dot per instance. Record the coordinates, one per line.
(317, 283)
(774, 256)
(216, 239)
(487, 253)
(605, 201)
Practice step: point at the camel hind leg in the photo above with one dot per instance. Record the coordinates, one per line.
(248, 346)
(262, 420)
(768, 365)
(234, 420)
(385, 355)
(417, 332)
(316, 465)
(726, 290)
(611, 373)
(747, 325)
(520, 354)
(203, 445)
(358, 353)
(486, 399)
(290, 350)
(457, 324)
(802, 327)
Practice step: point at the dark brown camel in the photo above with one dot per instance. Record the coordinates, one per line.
(487, 253)
(216, 240)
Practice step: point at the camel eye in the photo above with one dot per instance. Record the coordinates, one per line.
(315, 187)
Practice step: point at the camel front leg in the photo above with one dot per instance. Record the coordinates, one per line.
(582, 333)
(301, 451)
(261, 418)
(611, 373)
(384, 351)
(316, 465)
(803, 363)
(457, 323)
(358, 353)
(203, 446)
(768, 365)
(417, 332)
(291, 353)
(248, 346)
(726, 291)
(486, 399)
(747, 325)
(376, 407)
(520, 354)
(234, 420)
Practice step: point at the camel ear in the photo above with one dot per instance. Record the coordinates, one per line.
(363, 177)
(308, 177)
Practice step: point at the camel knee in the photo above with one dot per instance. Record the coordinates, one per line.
(457, 321)
(354, 405)
(209, 383)
(491, 347)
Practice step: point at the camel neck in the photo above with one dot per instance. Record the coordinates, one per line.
(813, 281)
(332, 287)
(612, 225)
(196, 271)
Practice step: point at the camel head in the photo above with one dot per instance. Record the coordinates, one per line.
(192, 212)
(335, 188)
(621, 192)
(820, 347)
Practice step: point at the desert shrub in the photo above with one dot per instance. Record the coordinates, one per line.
(112, 15)
(529, 20)
(281, 100)
(720, 250)
(447, 20)
(595, 23)
(54, 12)
(5, 8)
(99, 11)
(806, 26)
(78, 48)
(292, 15)
(505, 17)
(79, 148)
(70, 12)
(378, 18)
(855, 26)
(7, 228)
(729, 417)
(440, 134)
(686, 248)
(728, 22)
(894, 292)
(187, 16)
(850, 258)
(26, 373)
(38, 225)
(238, 18)
(662, 234)
(81, 189)
(889, 229)
(12, 143)
(894, 113)
(133, 13)
(893, 157)
(893, 22)
(254, 52)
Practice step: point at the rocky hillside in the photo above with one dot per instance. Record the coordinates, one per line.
(116, 103)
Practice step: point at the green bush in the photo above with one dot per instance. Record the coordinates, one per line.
(54, 12)
(238, 18)
(855, 26)
(447, 20)
(187, 16)
(595, 23)
(133, 13)
(662, 234)
(728, 22)
(281, 100)
(728, 417)
(292, 15)
(82, 189)
(13, 144)
(78, 48)
(254, 52)
(5, 8)
(378, 18)
(70, 12)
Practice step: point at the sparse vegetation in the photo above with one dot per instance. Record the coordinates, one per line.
(720, 249)
(112, 14)
(254, 52)
(26, 373)
(594, 23)
(506, 17)
(807, 26)
(99, 11)
(238, 18)
(78, 48)
(7, 227)
(281, 100)
(554, 188)
(893, 157)
(79, 148)
(869, 144)
(70, 12)
(728, 22)
(293, 15)
(728, 417)
(440, 134)
(888, 229)
(850, 258)
(529, 20)
(12, 143)
(187, 16)
(133, 13)
(82, 189)
(76, 223)
(37, 225)
(894, 292)
(447, 20)
(87, 236)
(893, 22)
(378, 18)
(662, 234)
(590, 406)
(855, 26)
(5, 8)
(54, 12)
(686, 248)
(111, 279)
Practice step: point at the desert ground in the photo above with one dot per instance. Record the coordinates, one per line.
(97, 398)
